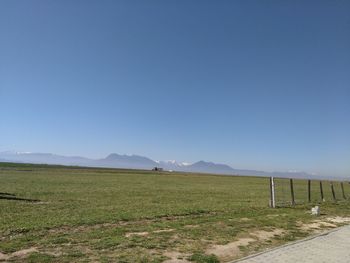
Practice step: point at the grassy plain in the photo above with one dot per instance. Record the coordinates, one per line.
(113, 215)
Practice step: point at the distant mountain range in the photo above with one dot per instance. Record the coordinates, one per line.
(115, 160)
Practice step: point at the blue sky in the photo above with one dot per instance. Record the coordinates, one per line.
(254, 84)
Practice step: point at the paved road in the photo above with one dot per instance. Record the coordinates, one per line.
(333, 246)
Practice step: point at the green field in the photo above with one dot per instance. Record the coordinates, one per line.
(111, 215)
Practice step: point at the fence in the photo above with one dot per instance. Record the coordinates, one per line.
(289, 192)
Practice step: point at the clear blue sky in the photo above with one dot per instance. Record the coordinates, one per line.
(254, 84)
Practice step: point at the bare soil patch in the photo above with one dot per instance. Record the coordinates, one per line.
(244, 219)
(316, 226)
(265, 235)
(3, 257)
(23, 253)
(175, 257)
(338, 219)
(164, 230)
(141, 234)
(233, 249)
(230, 250)
(325, 223)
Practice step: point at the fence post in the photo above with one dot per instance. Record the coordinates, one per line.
(342, 190)
(272, 193)
(292, 191)
(333, 193)
(321, 191)
(309, 191)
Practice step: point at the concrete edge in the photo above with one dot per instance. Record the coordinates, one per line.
(289, 244)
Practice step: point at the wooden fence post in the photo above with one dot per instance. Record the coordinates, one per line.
(272, 193)
(342, 190)
(292, 191)
(333, 193)
(321, 191)
(309, 191)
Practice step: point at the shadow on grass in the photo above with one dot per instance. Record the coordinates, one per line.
(1, 193)
(9, 196)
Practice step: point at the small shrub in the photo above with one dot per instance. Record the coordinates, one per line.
(203, 258)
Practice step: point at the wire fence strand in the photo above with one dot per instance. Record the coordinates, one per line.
(319, 191)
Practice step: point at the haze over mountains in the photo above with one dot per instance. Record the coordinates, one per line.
(115, 160)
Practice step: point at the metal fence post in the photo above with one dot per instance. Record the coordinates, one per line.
(342, 190)
(292, 191)
(321, 191)
(272, 193)
(333, 193)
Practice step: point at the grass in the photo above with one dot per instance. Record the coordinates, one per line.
(114, 215)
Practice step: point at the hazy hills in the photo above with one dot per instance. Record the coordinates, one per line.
(115, 160)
